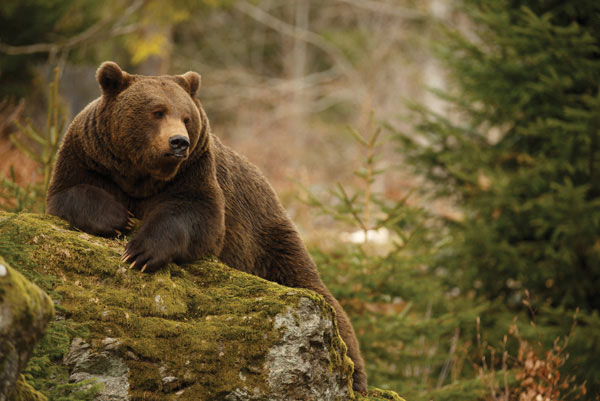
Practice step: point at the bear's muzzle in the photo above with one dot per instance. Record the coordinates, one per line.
(179, 145)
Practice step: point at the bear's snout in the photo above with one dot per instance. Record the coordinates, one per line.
(179, 144)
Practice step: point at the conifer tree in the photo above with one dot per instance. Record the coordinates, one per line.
(520, 150)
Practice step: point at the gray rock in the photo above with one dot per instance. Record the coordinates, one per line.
(299, 365)
(102, 366)
(303, 356)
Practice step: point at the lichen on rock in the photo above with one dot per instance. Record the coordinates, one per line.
(101, 366)
(303, 355)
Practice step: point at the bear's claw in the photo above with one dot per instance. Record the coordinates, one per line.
(142, 257)
(130, 223)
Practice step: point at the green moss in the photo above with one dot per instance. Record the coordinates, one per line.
(25, 300)
(29, 310)
(205, 324)
(375, 394)
(84, 391)
(46, 371)
(24, 392)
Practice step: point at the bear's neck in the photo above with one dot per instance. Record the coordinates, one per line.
(139, 187)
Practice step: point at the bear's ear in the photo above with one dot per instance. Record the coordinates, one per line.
(190, 81)
(111, 78)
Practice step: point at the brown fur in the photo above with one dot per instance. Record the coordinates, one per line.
(212, 201)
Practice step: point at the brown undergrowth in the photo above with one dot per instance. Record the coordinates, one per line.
(534, 373)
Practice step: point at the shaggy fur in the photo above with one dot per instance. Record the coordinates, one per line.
(116, 162)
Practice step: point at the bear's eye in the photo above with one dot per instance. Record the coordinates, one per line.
(159, 114)
(186, 120)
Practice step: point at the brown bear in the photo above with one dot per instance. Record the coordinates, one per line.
(145, 149)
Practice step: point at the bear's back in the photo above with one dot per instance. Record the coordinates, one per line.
(252, 210)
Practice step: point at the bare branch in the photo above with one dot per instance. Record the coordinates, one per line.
(85, 36)
(278, 25)
(9, 112)
(386, 8)
(28, 49)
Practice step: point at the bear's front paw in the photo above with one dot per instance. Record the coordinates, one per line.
(115, 220)
(144, 255)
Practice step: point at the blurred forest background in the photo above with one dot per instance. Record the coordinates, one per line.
(441, 159)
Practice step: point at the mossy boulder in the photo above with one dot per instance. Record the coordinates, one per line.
(199, 331)
(25, 310)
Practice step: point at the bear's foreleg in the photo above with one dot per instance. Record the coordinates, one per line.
(91, 209)
(179, 231)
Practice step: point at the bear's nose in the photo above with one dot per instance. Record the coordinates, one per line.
(179, 143)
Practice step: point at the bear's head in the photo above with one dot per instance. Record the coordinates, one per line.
(152, 124)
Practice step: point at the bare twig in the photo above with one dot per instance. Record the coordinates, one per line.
(88, 35)
(283, 27)
(386, 8)
(446, 367)
(9, 112)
